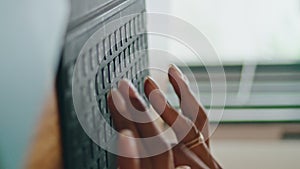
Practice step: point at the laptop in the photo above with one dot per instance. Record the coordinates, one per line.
(98, 54)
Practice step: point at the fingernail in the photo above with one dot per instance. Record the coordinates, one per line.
(111, 90)
(118, 100)
(132, 90)
(177, 71)
(129, 90)
(149, 86)
(150, 81)
(128, 82)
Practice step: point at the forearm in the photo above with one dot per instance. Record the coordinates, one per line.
(45, 149)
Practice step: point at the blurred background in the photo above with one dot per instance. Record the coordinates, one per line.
(258, 46)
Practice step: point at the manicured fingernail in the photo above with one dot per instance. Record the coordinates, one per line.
(149, 86)
(129, 83)
(132, 90)
(176, 70)
(151, 82)
(117, 100)
(113, 90)
(128, 90)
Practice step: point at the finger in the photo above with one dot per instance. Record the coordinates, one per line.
(188, 103)
(119, 113)
(194, 157)
(203, 153)
(129, 148)
(183, 156)
(117, 106)
(138, 109)
(139, 112)
(182, 126)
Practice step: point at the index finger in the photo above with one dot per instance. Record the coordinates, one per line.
(118, 108)
(147, 129)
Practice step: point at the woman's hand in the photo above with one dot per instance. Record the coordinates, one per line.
(128, 108)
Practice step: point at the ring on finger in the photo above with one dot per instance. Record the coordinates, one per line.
(196, 141)
(183, 167)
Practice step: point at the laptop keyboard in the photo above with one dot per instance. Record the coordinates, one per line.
(119, 54)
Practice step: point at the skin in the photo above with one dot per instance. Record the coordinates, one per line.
(126, 95)
(45, 149)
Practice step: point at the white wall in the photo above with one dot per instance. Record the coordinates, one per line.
(240, 29)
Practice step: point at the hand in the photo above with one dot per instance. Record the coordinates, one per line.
(186, 152)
